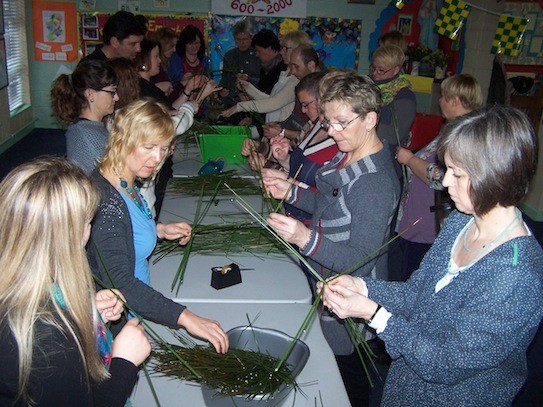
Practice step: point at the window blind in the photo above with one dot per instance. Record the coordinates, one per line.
(16, 52)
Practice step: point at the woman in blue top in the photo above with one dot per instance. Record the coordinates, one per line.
(189, 58)
(458, 330)
(124, 233)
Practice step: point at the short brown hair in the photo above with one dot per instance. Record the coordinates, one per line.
(497, 147)
(348, 86)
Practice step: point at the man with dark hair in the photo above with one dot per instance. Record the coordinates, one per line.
(267, 48)
(122, 35)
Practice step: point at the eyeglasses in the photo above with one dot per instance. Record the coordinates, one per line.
(285, 48)
(380, 71)
(337, 126)
(111, 92)
(306, 104)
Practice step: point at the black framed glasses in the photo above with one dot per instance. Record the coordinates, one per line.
(337, 126)
(380, 71)
(111, 92)
(305, 105)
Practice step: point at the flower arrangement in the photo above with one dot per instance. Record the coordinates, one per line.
(439, 58)
(418, 53)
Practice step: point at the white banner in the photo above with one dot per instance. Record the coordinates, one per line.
(265, 8)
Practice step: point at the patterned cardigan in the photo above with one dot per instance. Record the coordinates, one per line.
(352, 210)
(466, 344)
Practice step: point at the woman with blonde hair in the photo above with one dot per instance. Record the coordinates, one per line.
(460, 95)
(124, 233)
(277, 105)
(54, 349)
(399, 102)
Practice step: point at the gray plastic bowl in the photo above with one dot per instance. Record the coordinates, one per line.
(267, 341)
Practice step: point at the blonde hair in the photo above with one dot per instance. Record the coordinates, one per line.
(391, 55)
(167, 37)
(393, 37)
(47, 204)
(466, 88)
(140, 122)
(296, 38)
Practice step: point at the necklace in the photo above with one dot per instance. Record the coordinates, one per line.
(189, 60)
(136, 197)
(490, 244)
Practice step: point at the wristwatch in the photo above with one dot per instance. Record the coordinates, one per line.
(282, 133)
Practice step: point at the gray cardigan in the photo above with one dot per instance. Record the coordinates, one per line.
(112, 236)
(352, 210)
(85, 143)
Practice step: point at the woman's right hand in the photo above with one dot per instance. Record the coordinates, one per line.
(276, 186)
(131, 343)
(249, 147)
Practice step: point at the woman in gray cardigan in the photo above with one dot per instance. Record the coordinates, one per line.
(352, 206)
(458, 329)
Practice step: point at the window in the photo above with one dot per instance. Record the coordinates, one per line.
(16, 52)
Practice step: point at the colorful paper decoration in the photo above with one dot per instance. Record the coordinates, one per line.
(509, 35)
(399, 3)
(451, 18)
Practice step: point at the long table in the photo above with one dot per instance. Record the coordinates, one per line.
(274, 293)
(319, 381)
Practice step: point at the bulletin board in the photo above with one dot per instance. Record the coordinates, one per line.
(92, 24)
(337, 40)
(55, 31)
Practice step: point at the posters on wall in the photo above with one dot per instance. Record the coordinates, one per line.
(263, 8)
(55, 31)
(337, 40)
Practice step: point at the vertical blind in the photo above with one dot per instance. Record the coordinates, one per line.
(16, 52)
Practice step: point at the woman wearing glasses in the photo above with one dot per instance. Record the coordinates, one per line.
(82, 100)
(355, 197)
(399, 103)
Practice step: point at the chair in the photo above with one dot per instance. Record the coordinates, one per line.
(424, 129)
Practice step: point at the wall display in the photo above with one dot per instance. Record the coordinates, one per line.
(55, 31)
(337, 40)
(3, 65)
(361, 1)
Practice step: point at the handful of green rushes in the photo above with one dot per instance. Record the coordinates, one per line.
(192, 185)
(224, 239)
(237, 373)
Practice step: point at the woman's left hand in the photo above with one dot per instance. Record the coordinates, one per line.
(290, 229)
(109, 303)
(171, 231)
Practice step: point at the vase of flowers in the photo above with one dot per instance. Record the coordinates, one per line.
(417, 55)
(441, 60)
